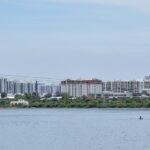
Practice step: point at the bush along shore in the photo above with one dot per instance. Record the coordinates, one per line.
(37, 102)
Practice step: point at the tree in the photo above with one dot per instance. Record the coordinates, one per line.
(48, 95)
(27, 96)
(3, 95)
(64, 95)
(34, 96)
(31, 96)
(18, 96)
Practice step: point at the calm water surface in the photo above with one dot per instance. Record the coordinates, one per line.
(74, 129)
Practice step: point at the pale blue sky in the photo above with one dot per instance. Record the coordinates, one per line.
(71, 39)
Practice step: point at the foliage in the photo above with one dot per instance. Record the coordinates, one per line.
(18, 96)
(48, 95)
(81, 102)
(3, 95)
(31, 96)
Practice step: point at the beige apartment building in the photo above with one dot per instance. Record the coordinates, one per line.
(95, 87)
(79, 88)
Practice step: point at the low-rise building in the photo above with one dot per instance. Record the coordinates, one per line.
(19, 102)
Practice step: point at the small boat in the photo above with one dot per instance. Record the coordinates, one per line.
(140, 118)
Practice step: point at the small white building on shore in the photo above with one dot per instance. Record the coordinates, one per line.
(19, 102)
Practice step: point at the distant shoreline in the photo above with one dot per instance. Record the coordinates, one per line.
(82, 103)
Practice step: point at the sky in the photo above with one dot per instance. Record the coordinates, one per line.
(105, 39)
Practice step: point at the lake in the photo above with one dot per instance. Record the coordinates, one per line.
(74, 129)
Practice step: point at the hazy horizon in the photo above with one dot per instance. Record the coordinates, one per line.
(105, 39)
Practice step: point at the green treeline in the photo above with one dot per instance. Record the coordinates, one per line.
(93, 103)
(65, 102)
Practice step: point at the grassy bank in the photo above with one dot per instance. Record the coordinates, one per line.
(82, 103)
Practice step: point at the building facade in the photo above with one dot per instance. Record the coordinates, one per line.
(13, 87)
(79, 88)
(133, 87)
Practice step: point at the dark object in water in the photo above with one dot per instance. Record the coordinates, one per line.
(140, 118)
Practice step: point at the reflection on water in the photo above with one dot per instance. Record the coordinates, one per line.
(74, 129)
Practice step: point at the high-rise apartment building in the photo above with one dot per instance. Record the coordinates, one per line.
(134, 87)
(79, 88)
(13, 87)
(3, 85)
(147, 85)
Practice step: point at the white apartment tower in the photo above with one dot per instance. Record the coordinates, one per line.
(134, 87)
(79, 88)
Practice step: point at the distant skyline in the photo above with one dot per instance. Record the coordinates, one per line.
(106, 39)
